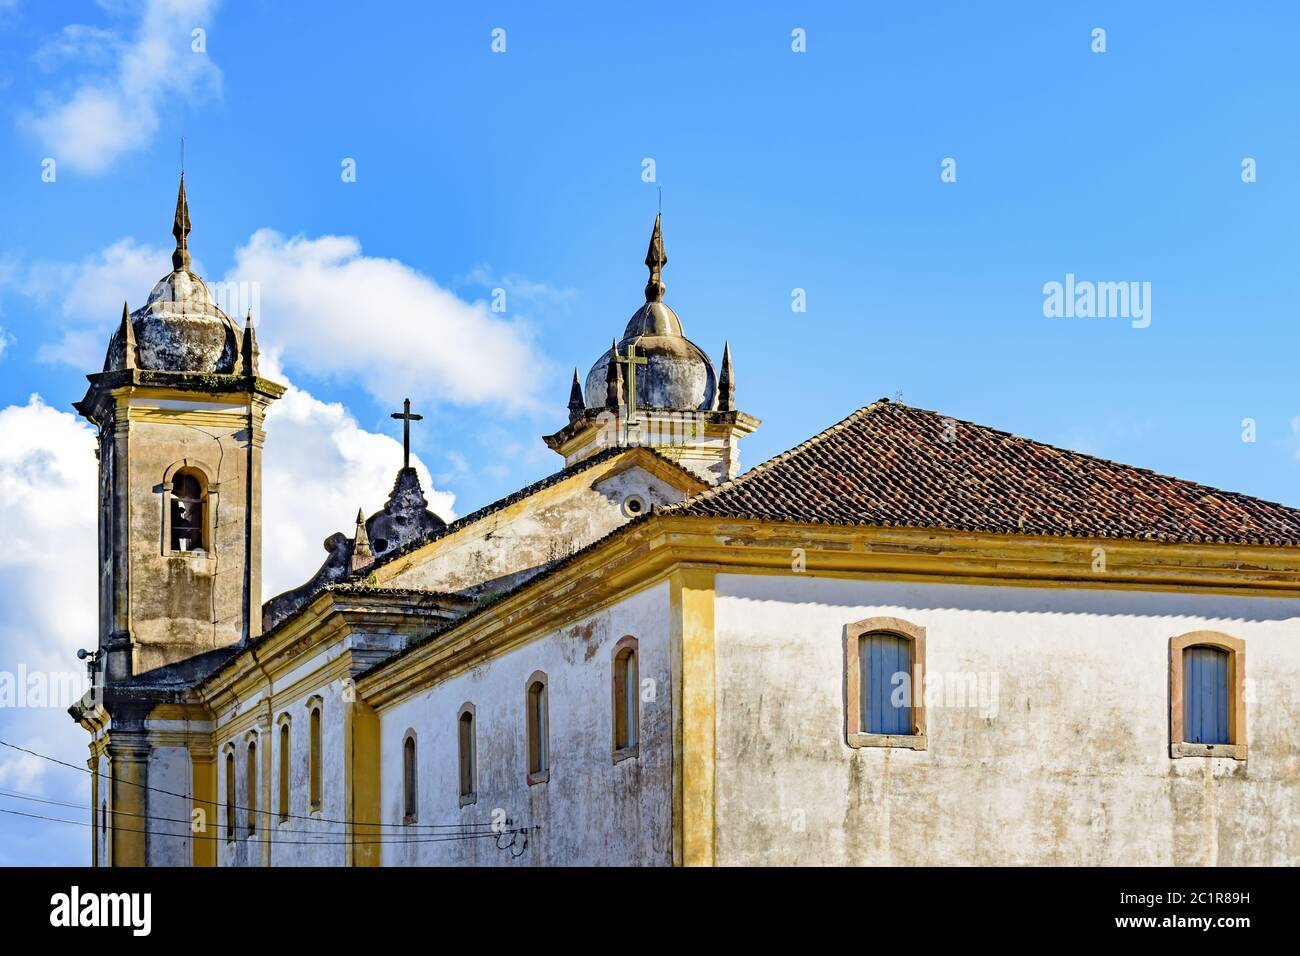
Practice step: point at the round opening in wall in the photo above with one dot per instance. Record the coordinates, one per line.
(634, 505)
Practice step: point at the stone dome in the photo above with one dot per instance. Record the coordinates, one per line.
(677, 374)
(180, 328)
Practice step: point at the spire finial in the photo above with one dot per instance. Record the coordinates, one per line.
(362, 554)
(127, 336)
(613, 378)
(248, 348)
(726, 382)
(576, 404)
(181, 230)
(655, 260)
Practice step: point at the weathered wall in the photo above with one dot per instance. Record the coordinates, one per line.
(307, 837)
(505, 548)
(183, 605)
(592, 811)
(169, 770)
(1073, 767)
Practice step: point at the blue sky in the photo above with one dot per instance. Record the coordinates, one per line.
(780, 170)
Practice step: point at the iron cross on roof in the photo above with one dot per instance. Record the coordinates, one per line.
(632, 360)
(406, 417)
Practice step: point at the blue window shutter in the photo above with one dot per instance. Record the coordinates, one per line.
(1205, 695)
(880, 657)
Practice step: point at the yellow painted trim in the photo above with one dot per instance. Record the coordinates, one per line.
(362, 793)
(203, 771)
(129, 771)
(691, 639)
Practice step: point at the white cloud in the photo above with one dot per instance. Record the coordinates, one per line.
(385, 325)
(90, 294)
(47, 604)
(114, 108)
(319, 467)
(323, 305)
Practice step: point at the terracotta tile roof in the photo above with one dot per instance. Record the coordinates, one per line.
(892, 465)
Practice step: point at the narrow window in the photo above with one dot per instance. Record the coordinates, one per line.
(538, 744)
(467, 746)
(103, 818)
(885, 681)
(409, 793)
(1207, 701)
(314, 759)
(284, 771)
(251, 786)
(230, 795)
(188, 504)
(627, 717)
(1205, 695)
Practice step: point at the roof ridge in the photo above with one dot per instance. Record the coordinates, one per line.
(1098, 458)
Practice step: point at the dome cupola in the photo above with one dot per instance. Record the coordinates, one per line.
(179, 328)
(656, 388)
(677, 375)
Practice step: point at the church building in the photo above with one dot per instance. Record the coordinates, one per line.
(908, 640)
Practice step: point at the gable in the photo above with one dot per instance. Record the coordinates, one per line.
(497, 548)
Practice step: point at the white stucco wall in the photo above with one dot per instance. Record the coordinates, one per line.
(592, 811)
(307, 837)
(1073, 767)
(168, 841)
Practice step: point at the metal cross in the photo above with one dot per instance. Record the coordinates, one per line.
(631, 361)
(406, 417)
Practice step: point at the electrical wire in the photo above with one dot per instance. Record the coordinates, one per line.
(194, 836)
(406, 827)
(33, 798)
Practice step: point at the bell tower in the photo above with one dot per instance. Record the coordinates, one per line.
(179, 407)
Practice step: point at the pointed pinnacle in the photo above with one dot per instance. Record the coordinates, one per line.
(613, 378)
(362, 555)
(655, 259)
(726, 382)
(127, 336)
(576, 404)
(248, 349)
(181, 230)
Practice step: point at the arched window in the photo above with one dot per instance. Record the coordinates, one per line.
(285, 765)
(627, 715)
(250, 780)
(313, 759)
(467, 750)
(410, 780)
(539, 757)
(884, 668)
(230, 793)
(1207, 713)
(188, 511)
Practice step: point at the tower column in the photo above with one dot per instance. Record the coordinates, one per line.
(128, 763)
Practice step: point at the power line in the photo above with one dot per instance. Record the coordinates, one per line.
(17, 795)
(233, 806)
(195, 836)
